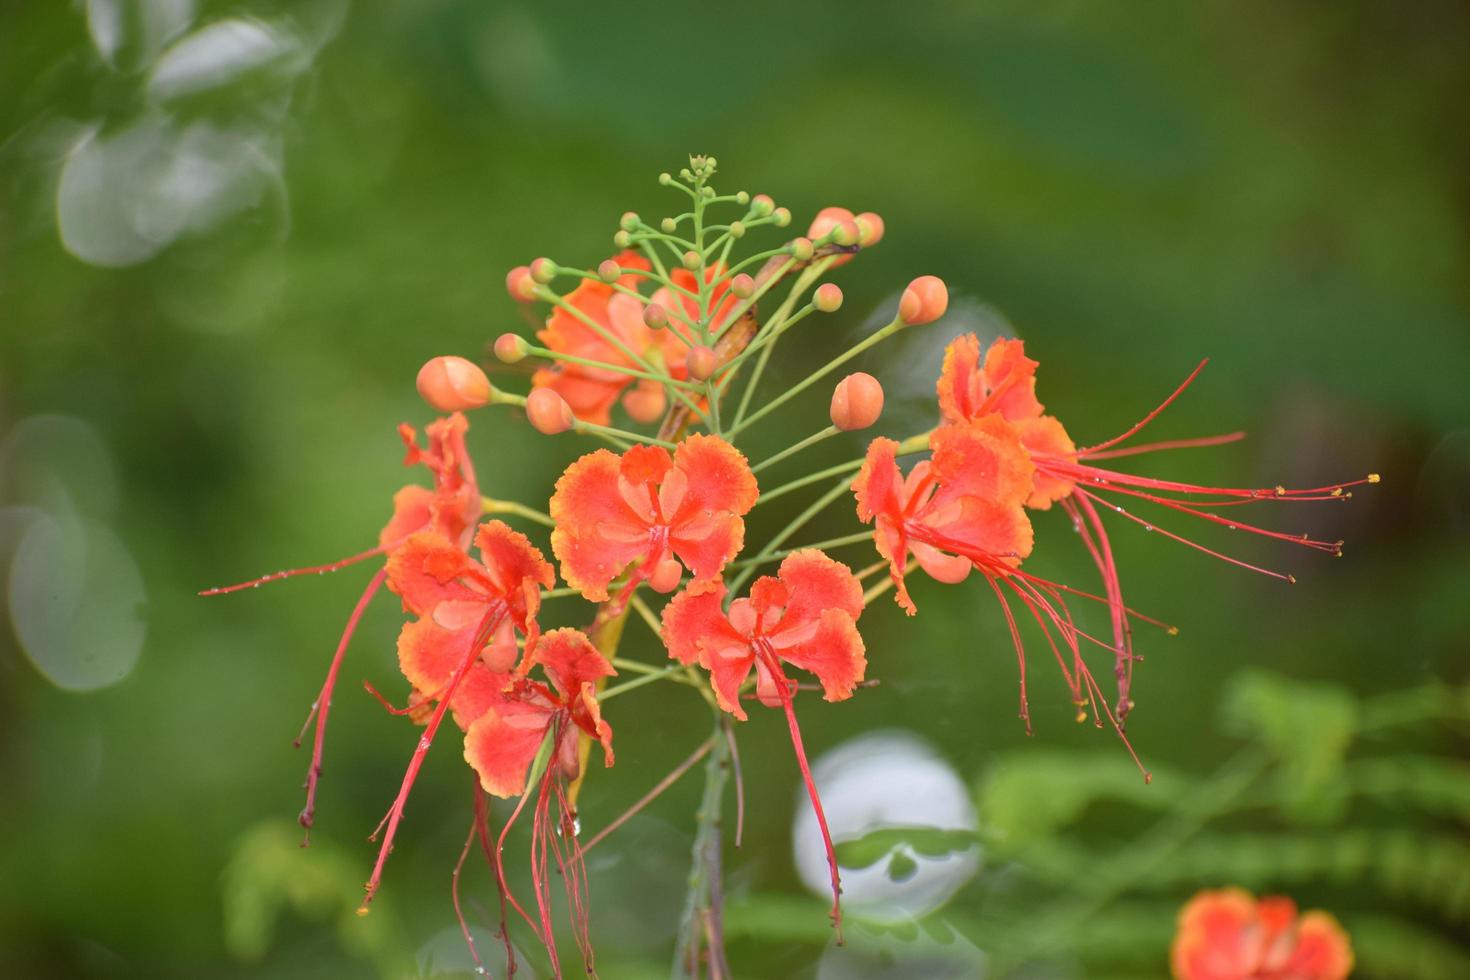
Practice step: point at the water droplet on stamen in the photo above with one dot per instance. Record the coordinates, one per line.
(1148, 527)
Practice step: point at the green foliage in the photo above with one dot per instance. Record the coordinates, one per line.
(271, 873)
(894, 843)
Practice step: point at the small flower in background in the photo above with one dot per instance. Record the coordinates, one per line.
(1230, 935)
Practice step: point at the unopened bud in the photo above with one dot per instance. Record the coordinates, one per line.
(666, 576)
(783, 217)
(608, 270)
(655, 316)
(828, 297)
(520, 285)
(511, 347)
(622, 239)
(857, 401)
(691, 260)
(645, 402)
(762, 205)
(665, 178)
(629, 221)
(826, 220)
(686, 175)
(548, 411)
(924, 301)
(702, 362)
(543, 270)
(742, 198)
(453, 384)
(801, 249)
(669, 225)
(846, 233)
(742, 286)
(707, 192)
(737, 229)
(870, 229)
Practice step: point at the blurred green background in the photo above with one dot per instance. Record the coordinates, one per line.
(230, 234)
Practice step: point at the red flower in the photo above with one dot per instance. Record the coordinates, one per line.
(504, 738)
(806, 616)
(960, 510)
(467, 613)
(1004, 386)
(645, 508)
(1228, 935)
(591, 391)
(453, 507)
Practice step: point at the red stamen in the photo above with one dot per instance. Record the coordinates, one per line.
(395, 813)
(1150, 416)
(464, 927)
(293, 572)
(774, 666)
(1332, 547)
(1154, 447)
(505, 891)
(407, 709)
(739, 781)
(1101, 550)
(323, 705)
(653, 794)
(492, 858)
(1020, 649)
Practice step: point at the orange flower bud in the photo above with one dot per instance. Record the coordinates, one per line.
(520, 285)
(762, 205)
(691, 260)
(924, 301)
(655, 316)
(453, 384)
(549, 412)
(666, 576)
(511, 347)
(646, 402)
(826, 220)
(742, 286)
(801, 249)
(870, 229)
(702, 362)
(609, 270)
(828, 297)
(783, 217)
(629, 221)
(857, 401)
(543, 270)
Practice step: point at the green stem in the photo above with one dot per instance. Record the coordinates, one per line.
(492, 506)
(795, 448)
(796, 524)
(847, 539)
(704, 856)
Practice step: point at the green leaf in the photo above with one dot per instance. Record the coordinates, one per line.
(874, 846)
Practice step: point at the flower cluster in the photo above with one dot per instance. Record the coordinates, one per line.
(1229, 935)
(674, 331)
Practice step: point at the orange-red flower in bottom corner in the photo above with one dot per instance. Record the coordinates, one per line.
(1229, 935)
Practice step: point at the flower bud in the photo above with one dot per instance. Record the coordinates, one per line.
(622, 239)
(691, 260)
(737, 229)
(608, 270)
(665, 179)
(511, 347)
(801, 249)
(548, 411)
(453, 384)
(669, 225)
(857, 401)
(828, 297)
(742, 286)
(666, 576)
(762, 205)
(655, 316)
(543, 270)
(702, 362)
(870, 229)
(846, 233)
(783, 217)
(520, 285)
(826, 220)
(629, 221)
(924, 301)
(645, 402)
(742, 198)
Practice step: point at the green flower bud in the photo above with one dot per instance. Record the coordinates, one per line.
(737, 229)
(629, 221)
(669, 225)
(783, 217)
(801, 249)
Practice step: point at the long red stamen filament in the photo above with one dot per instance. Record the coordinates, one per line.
(570, 858)
(323, 705)
(256, 583)
(739, 781)
(1198, 442)
(464, 926)
(774, 666)
(1149, 525)
(1089, 475)
(492, 858)
(1134, 430)
(539, 866)
(407, 709)
(653, 794)
(395, 813)
(505, 891)
(1020, 648)
(1331, 547)
(1101, 550)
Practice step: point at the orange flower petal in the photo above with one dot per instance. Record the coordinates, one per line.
(815, 582)
(729, 664)
(570, 660)
(959, 380)
(510, 559)
(878, 484)
(597, 534)
(1009, 380)
(707, 544)
(502, 743)
(411, 512)
(834, 654)
(719, 478)
(691, 616)
(588, 714)
(1045, 436)
(425, 571)
(1323, 951)
(982, 459)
